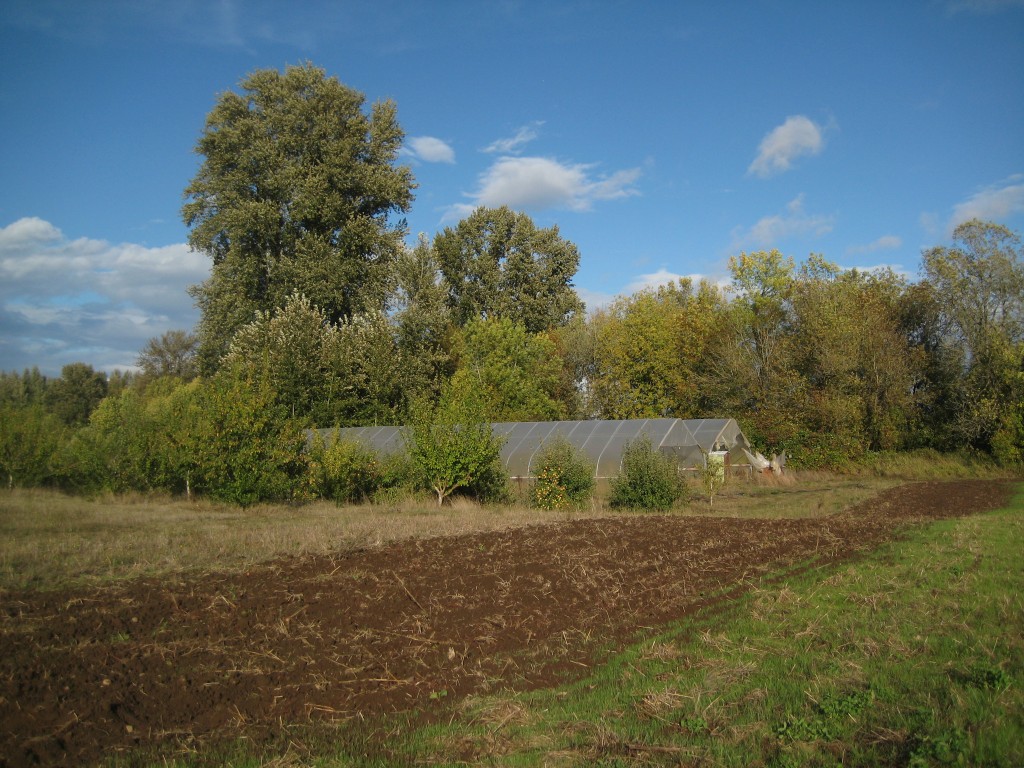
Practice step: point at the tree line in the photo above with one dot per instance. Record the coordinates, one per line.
(316, 314)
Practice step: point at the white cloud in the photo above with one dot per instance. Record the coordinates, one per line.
(884, 243)
(431, 150)
(656, 279)
(540, 182)
(796, 137)
(512, 145)
(992, 203)
(26, 231)
(768, 231)
(64, 301)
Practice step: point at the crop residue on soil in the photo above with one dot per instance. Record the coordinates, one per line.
(168, 662)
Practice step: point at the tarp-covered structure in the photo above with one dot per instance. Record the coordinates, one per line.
(601, 441)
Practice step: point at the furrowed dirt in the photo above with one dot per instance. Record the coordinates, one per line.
(174, 664)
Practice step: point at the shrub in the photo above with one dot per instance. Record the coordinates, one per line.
(649, 479)
(349, 472)
(565, 478)
(240, 445)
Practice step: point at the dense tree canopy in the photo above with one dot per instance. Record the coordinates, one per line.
(516, 373)
(497, 263)
(294, 194)
(317, 314)
(978, 287)
(76, 393)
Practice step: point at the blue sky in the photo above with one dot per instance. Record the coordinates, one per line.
(661, 137)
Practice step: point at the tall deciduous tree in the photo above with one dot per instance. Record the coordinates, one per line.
(979, 287)
(497, 263)
(294, 194)
(425, 330)
(172, 354)
(858, 365)
(344, 373)
(77, 392)
(752, 372)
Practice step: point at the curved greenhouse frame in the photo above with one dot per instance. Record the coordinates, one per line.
(601, 441)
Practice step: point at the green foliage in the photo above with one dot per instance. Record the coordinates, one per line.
(400, 479)
(120, 449)
(349, 471)
(76, 393)
(515, 372)
(452, 444)
(649, 351)
(712, 475)
(978, 288)
(30, 437)
(293, 194)
(649, 480)
(851, 351)
(172, 354)
(27, 388)
(497, 263)
(240, 443)
(350, 372)
(565, 478)
(425, 329)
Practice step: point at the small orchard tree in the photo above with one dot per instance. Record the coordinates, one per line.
(649, 480)
(452, 444)
(712, 475)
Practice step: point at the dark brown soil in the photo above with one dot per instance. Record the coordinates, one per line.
(170, 664)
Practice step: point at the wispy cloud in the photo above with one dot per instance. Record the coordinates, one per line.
(884, 243)
(995, 202)
(64, 301)
(594, 300)
(768, 231)
(513, 144)
(982, 6)
(430, 150)
(797, 137)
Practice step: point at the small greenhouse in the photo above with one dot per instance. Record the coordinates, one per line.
(601, 441)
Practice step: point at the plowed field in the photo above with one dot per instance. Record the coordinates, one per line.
(175, 663)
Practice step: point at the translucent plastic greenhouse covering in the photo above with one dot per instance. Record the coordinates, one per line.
(601, 441)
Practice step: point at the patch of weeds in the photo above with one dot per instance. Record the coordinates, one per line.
(950, 747)
(830, 720)
(694, 725)
(989, 678)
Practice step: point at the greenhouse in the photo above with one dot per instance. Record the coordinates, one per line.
(601, 441)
